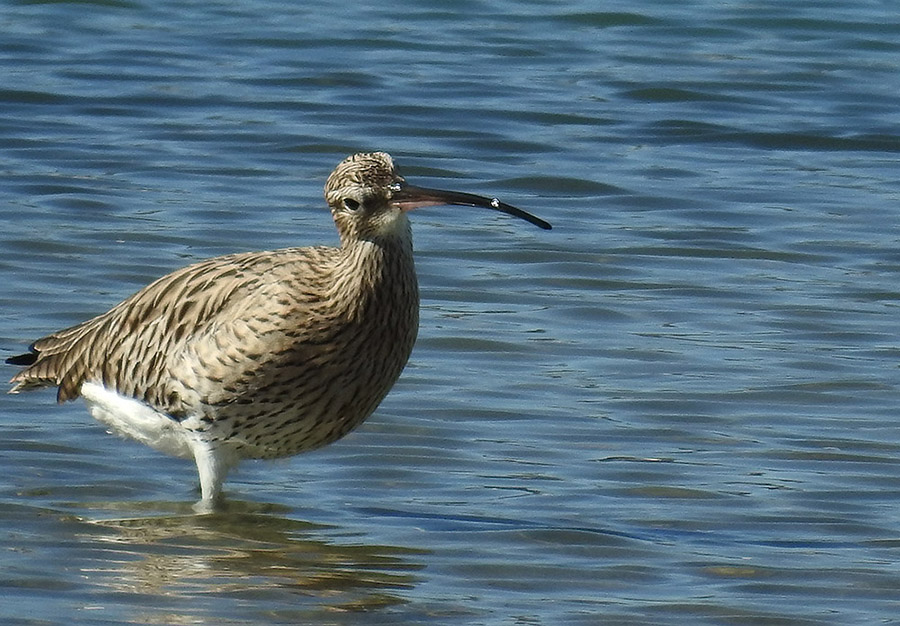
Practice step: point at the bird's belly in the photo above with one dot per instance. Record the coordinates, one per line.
(276, 424)
(311, 394)
(262, 428)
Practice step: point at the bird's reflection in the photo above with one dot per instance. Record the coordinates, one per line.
(248, 555)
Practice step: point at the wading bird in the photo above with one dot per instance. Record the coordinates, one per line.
(260, 354)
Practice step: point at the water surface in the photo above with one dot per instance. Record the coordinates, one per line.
(676, 407)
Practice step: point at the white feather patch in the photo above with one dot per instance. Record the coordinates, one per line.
(137, 420)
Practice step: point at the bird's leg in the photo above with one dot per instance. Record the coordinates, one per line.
(212, 468)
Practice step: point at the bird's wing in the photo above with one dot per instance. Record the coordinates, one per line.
(136, 341)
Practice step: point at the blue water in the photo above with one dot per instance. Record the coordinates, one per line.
(679, 406)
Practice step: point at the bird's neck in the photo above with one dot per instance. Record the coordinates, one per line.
(377, 272)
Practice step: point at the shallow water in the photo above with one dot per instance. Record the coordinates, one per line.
(676, 407)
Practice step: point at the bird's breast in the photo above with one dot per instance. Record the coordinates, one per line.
(309, 374)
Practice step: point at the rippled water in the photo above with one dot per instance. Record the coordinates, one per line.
(676, 407)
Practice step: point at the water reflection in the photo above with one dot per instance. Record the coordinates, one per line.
(179, 567)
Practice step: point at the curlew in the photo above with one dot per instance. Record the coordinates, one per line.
(259, 354)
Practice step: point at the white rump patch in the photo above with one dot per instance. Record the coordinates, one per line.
(137, 420)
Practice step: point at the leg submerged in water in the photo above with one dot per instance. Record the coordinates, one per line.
(213, 465)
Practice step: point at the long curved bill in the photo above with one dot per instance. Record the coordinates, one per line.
(407, 197)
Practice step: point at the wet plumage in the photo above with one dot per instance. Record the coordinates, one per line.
(261, 354)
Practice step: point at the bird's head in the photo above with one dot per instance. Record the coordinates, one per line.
(369, 198)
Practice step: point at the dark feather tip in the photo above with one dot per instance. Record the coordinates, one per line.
(23, 359)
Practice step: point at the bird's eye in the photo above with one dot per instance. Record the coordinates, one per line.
(350, 204)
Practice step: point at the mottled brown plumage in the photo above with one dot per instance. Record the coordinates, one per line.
(262, 354)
